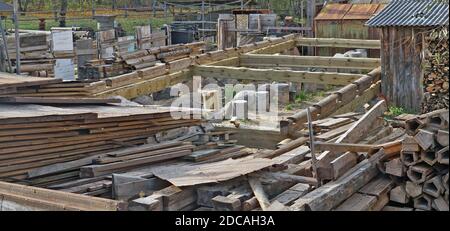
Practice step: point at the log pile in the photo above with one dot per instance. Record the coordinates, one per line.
(436, 71)
(421, 171)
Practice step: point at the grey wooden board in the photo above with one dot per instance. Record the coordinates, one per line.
(56, 100)
(189, 175)
(126, 187)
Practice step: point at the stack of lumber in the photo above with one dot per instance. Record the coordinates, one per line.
(421, 171)
(436, 70)
(145, 58)
(118, 161)
(137, 59)
(13, 85)
(32, 136)
(142, 60)
(100, 69)
(179, 51)
(36, 58)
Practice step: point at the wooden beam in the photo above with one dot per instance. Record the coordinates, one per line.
(45, 199)
(252, 60)
(354, 134)
(243, 73)
(275, 48)
(147, 86)
(332, 194)
(343, 147)
(360, 100)
(259, 193)
(227, 62)
(339, 42)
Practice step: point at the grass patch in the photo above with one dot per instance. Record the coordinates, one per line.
(395, 111)
(303, 96)
(289, 107)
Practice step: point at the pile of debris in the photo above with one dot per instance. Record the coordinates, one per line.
(436, 70)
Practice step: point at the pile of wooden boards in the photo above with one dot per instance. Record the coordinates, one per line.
(421, 171)
(289, 183)
(12, 84)
(32, 136)
(347, 99)
(97, 175)
(126, 62)
(100, 69)
(149, 57)
(35, 56)
(436, 70)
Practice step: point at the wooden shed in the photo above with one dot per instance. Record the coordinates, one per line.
(6, 9)
(346, 21)
(403, 24)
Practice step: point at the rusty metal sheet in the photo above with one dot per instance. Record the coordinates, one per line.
(361, 11)
(333, 12)
(196, 174)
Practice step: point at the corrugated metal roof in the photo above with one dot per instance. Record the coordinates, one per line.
(411, 13)
(333, 11)
(361, 11)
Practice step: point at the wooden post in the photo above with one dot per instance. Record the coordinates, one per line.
(16, 32)
(165, 9)
(93, 8)
(310, 13)
(311, 145)
(5, 47)
(203, 20)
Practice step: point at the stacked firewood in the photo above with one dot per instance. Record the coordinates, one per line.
(421, 171)
(436, 70)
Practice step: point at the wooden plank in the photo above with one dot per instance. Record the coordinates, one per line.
(377, 187)
(55, 100)
(339, 42)
(332, 194)
(98, 170)
(79, 202)
(333, 133)
(308, 61)
(9, 80)
(259, 193)
(353, 134)
(343, 147)
(358, 202)
(244, 73)
(361, 99)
